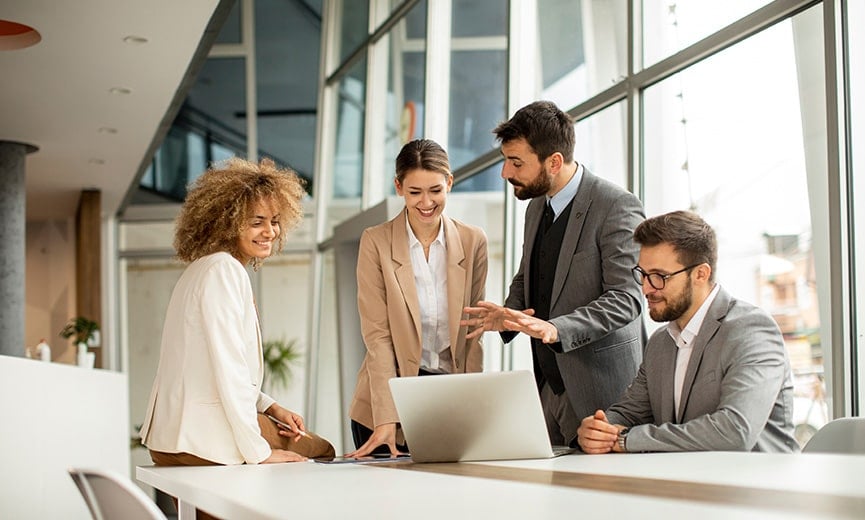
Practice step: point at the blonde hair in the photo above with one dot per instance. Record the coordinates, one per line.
(220, 202)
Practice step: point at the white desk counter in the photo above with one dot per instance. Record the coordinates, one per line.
(701, 485)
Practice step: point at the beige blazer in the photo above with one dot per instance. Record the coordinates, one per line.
(207, 389)
(390, 314)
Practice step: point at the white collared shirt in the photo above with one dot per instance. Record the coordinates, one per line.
(560, 200)
(685, 341)
(430, 278)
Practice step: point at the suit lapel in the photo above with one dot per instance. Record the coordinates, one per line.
(403, 268)
(668, 379)
(534, 213)
(579, 208)
(711, 323)
(456, 282)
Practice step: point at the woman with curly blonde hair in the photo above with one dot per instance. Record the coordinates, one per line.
(206, 406)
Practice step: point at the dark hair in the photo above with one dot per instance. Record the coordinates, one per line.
(219, 203)
(544, 127)
(693, 239)
(424, 154)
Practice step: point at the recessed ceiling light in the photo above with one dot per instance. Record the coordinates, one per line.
(14, 35)
(135, 40)
(96, 160)
(120, 90)
(106, 130)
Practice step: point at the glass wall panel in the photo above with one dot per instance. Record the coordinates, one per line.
(329, 416)
(601, 144)
(472, 18)
(353, 23)
(477, 102)
(287, 82)
(348, 160)
(231, 29)
(485, 209)
(856, 48)
(670, 26)
(582, 48)
(148, 286)
(283, 292)
(488, 179)
(731, 139)
(405, 89)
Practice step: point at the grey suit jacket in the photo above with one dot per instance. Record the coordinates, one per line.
(737, 394)
(595, 304)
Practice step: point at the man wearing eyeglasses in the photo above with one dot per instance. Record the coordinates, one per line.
(717, 377)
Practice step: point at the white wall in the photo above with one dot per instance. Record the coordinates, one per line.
(56, 416)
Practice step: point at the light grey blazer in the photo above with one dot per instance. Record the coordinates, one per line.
(595, 304)
(737, 394)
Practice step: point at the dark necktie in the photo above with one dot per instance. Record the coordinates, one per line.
(549, 216)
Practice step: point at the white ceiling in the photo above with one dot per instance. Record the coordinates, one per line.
(56, 95)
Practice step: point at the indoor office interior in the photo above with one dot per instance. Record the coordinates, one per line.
(748, 112)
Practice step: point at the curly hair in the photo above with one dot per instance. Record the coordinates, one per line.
(219, 203)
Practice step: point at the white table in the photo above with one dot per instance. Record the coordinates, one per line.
(677, 485)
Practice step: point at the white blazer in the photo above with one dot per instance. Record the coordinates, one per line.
(207, 390)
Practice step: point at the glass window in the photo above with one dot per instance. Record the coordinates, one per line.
(472, 18)
(669, 27)
(582, 48)
(488, 179)
(287, 100)
(348, 161)
(478, 77)
(736, 152)
(484, 207)
(231, 29)
(406, 77)
(601, 144)
(353, 16)
(477, 102)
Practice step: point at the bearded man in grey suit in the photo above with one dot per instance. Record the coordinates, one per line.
(573, 293)
(717, 377)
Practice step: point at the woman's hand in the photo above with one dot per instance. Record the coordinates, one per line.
(278, 455)
(382, 434)
(294, 421)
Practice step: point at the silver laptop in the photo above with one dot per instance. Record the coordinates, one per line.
(473, 417)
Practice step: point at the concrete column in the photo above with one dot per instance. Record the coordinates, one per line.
(12, 244)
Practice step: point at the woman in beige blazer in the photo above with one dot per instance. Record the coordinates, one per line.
(206, 406)
(415, 274)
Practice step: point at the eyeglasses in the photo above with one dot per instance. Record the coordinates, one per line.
(657, 280)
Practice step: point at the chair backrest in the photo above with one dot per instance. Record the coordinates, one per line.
(843, 435)
(110, 496)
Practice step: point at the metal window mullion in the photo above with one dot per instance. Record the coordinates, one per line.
(438, 64)
(375, 119)
(841, 260)
(248, 37)
(322, 190)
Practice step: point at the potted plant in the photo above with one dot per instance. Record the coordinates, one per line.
(279, 355)
(85, 331)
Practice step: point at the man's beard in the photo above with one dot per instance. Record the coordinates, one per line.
(540, 186)
(675, 308)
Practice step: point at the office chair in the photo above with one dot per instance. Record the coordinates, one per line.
(110, 496)
(843, 435)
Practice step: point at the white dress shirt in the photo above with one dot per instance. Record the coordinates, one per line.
(430, 278)
(685, 341)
